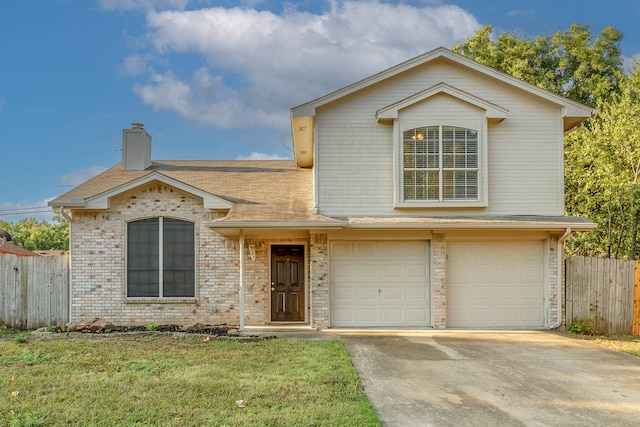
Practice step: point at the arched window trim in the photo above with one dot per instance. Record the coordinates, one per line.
(167, 269)
(480, 200)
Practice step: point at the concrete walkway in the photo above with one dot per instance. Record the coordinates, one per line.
(465, 378)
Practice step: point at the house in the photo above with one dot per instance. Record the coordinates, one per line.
(10, 248)
(429, 195)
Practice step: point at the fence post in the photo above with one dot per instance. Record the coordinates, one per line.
(636, 300)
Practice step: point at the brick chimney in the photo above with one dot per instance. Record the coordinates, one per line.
(136, 148)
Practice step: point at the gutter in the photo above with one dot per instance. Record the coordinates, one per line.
(560, 270)
(65, 214)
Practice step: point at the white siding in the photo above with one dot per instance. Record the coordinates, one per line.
(355, 154)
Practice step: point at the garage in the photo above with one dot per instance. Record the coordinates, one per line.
(379, 284)
(495, 284)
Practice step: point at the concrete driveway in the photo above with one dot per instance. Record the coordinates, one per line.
(465, 378)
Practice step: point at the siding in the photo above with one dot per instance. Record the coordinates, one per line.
(355, 153)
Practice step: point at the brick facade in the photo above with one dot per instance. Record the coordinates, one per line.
(98, 256)
(319, 283)
(99, 266)
(439, 280)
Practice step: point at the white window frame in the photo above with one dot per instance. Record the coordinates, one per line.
(482, 201)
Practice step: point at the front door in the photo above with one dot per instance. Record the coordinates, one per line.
(287, 283)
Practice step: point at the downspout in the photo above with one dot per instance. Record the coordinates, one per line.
(65, 214)
(241, 287)
(560, 270)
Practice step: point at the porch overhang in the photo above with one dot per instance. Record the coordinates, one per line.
(233, 229)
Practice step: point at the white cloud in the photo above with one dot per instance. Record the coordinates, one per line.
(80, 176)
(260, 64)
(262, 156)
(135, 65)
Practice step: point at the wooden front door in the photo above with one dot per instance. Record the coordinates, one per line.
(287, 283)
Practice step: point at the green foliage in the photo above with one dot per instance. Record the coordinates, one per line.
(572, 62)
(39, 235)
(151, 326)
(584, 327)
(602, 157)
(25, 357)
(602, 175)
(22, 337)
(29, 421)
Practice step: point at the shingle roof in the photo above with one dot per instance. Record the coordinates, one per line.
(10, 248)
(276, 193)
(260, 190)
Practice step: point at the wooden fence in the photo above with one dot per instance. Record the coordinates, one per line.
(34, 291)
(605, 290)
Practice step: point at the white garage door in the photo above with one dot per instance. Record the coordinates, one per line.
(495, 284)
(379, 284)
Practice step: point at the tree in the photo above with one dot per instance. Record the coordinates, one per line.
(602, 157)
(572, 63)
(602, 174)
(33, 235)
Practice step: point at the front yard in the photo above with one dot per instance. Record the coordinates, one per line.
(169, 380)
(626, 343)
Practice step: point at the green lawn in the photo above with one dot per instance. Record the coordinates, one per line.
(164, 380)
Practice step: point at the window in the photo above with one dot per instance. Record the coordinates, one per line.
(160, 258)
(440, 163)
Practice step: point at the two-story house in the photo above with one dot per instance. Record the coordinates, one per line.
(427, 195)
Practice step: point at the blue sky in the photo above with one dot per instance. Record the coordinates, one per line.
(212, 79)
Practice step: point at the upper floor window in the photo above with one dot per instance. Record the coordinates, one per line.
(160, 258)
(440, 163)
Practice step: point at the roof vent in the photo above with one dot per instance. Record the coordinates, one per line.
(136, 148)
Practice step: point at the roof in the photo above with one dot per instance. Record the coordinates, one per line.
(470, 222)
(574, 109)
(272, 194)
(10, 248)
(251, 190)
(302, 116)
(476, 222)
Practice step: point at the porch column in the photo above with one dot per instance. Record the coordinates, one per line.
(241, 284)
(319, 281)
(439, 277)
(556, 285)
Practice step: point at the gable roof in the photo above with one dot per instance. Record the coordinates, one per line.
(494, 111)
(10, 248)
(302, 116)
(249, 190)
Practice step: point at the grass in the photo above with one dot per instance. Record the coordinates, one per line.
(169, 381)
(625, 343)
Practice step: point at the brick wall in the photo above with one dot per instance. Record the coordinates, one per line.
(556, 286)
(319, 283)
(439, 277)
(98, 254)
